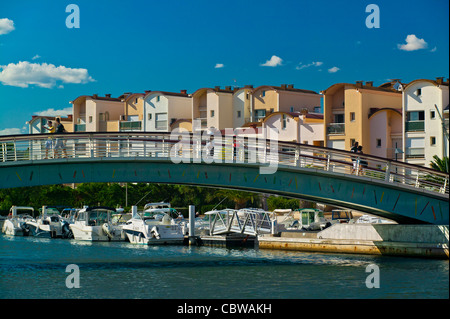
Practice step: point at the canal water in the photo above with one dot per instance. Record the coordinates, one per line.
(32, 268)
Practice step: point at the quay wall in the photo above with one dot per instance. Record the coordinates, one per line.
(428, 241)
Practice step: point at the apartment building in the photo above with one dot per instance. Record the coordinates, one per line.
(163, 109)
(37, 123)
(267, 99)
(300, 127)
(213, 107)
(94, 113)
(349, 114)
(425, 125)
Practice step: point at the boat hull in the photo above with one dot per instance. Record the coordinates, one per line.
(93, 233)
(168, 235)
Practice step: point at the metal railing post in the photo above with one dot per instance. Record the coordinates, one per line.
(15, 151)
(388, 172)
(91, 145)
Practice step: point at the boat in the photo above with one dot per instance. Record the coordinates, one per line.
(50, 224)
(14, 223)
(153, 227)
(310, 219)
(368, 219)
(341, 216)
(95, 224)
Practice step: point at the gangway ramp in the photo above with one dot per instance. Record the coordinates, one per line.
(248, 221)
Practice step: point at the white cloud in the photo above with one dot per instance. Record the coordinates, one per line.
(413, 43)
(43, 75)
(304, 66)
(219, 65)
(6, 26)
(52, 112)
(10, 131)
(37, 56)
(334, 69)
(433, 49)
(273, 62)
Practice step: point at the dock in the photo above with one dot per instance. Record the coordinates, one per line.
(425, 241)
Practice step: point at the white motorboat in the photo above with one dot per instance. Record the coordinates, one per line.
(95, 224)
(369, 219)
(14, 224)
(153, 227)
(50, 224)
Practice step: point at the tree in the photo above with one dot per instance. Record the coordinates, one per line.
(240, 198)
(439, 164)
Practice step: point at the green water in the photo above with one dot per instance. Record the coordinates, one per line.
(33, 268)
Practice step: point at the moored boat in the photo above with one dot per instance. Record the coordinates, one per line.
(15, 222)
(95, 224)
(152, 228)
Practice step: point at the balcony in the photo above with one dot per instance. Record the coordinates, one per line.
(79, 128)
(130, 126)
(336, 128)
(415, 152)
(415, 126)
(203, 122)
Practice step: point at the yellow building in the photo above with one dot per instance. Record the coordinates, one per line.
(285, 98)
(347, 109)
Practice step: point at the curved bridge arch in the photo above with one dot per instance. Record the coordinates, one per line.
(399, 201)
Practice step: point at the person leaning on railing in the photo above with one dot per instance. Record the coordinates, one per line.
(49, 143)
(59, 141)
(362, 163)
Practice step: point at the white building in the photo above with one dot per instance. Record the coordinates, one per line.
(424, 136)
(162, 109)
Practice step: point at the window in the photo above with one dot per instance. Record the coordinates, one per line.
(247, 95)
(432, 115)
(339, 118)
(90, 119)
(212, 113)
(415, 116)
(317, 109)
(260, 114)
(352, 116)
(161, 121)
(378, 142)
(283, 123)
(432, 140)
(149, 116)
(135, 101)
(101, 116)
(238, 114)
(158, 98)
(263, 93)
(419, 92)
(292, 109)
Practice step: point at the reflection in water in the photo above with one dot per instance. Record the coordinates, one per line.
(35, 268)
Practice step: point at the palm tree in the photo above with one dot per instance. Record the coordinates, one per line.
(439, 164)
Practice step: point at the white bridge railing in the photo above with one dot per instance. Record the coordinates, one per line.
(229, 150)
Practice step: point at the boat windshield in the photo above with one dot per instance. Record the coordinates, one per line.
(97, 217)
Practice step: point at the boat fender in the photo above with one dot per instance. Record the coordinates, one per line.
(155, 233)
(107, 231)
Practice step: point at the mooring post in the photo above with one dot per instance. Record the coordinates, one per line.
(192, 225)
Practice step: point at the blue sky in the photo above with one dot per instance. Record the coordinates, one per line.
(132, 46)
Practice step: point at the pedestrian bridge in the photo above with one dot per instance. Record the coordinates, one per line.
(395, 190)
